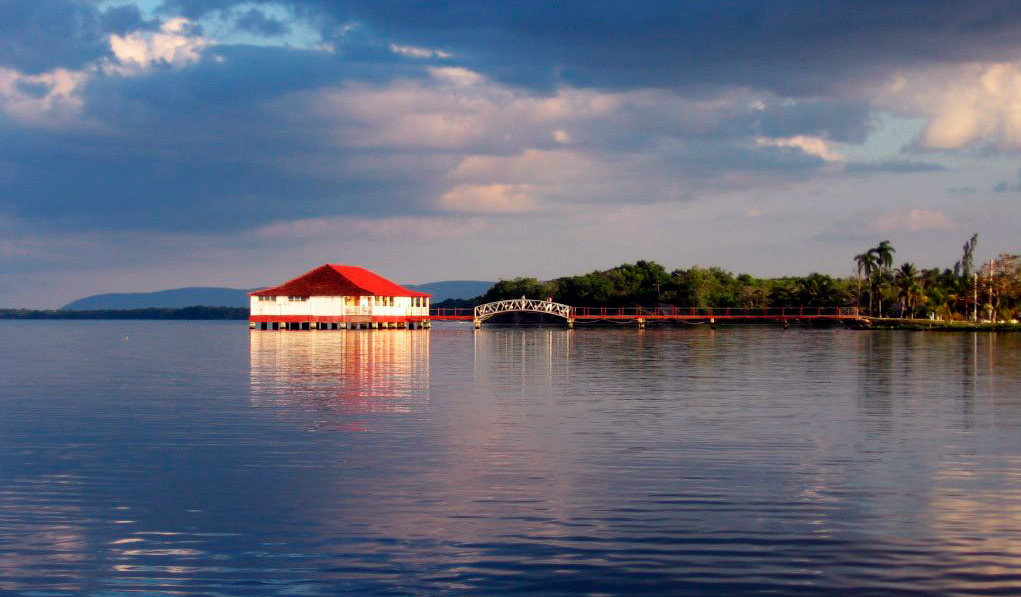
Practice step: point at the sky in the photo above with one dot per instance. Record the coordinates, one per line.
(155, 144)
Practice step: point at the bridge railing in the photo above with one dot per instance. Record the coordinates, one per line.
(547, 306)
(458, 312)
(666, 311)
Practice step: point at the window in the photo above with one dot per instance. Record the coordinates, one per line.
(263, 299)
(297, 299)
(351, 301)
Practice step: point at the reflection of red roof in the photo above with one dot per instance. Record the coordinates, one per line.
(338, 280)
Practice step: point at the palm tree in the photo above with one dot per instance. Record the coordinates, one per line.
(866, 263)
(884, 258)
(907, 285)
(884, 254)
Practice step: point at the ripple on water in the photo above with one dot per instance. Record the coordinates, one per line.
(210, 461)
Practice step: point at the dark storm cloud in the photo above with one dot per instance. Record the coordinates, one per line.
(793, 47)
(840, 120)
(255, 21)
(894, 166)
(229, 76)
(40, 35)
(198, 149)
(44, 34)
(203, 148)
(123, 19)
(172, 182)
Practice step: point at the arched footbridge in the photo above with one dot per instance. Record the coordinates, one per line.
(523, 305)
(641, 315)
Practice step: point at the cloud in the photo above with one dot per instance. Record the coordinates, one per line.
(54, 98)
(813, 146)
(45, 35)
(847, 120)
(867, 225)
(970, 105)
(914, 220)
(488, 198)
(417, 52)
(405, 228)
(255, 21)
(46, 99)
(894, 167)
(367, 116)
(790, 47)
(1009, 187)
(174, 45)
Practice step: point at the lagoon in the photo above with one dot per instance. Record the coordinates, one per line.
(200, 458)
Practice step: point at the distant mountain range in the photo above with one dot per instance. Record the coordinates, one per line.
(452, 289)
(232, 297)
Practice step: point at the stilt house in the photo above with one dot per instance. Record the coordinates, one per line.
(338, 297)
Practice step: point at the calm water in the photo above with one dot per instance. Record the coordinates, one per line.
(150, 458)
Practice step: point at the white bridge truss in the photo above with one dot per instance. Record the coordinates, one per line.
(484, 312)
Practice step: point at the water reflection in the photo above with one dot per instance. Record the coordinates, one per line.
(380, 371)
(532, 354)
(739, 461)
(41, 534)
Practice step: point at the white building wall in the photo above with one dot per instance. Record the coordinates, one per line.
(334, 306)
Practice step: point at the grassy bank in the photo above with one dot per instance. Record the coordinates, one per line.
(877, 323)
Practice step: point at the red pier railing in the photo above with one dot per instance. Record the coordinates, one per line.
(682, 314)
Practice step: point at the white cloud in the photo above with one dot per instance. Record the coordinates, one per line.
(173, 45)
(54, 99)
(488, 198)
(976, 104)
(461, 77)
(46, 99)
(418, 52)
(914, 220)
(811, 145)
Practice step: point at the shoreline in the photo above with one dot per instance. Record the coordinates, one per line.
(926, 325)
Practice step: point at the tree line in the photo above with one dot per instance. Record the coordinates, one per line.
(193, 313)
(962, 292)
(990, 292)
(647, 283)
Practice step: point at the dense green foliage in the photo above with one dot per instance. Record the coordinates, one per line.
(991, 292)
(963, 292)
(648, 283)
(196, 312)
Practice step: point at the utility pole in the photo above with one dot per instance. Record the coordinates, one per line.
(974, 306)
(992, 303)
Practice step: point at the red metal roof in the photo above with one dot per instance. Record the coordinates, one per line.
(338, 280)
